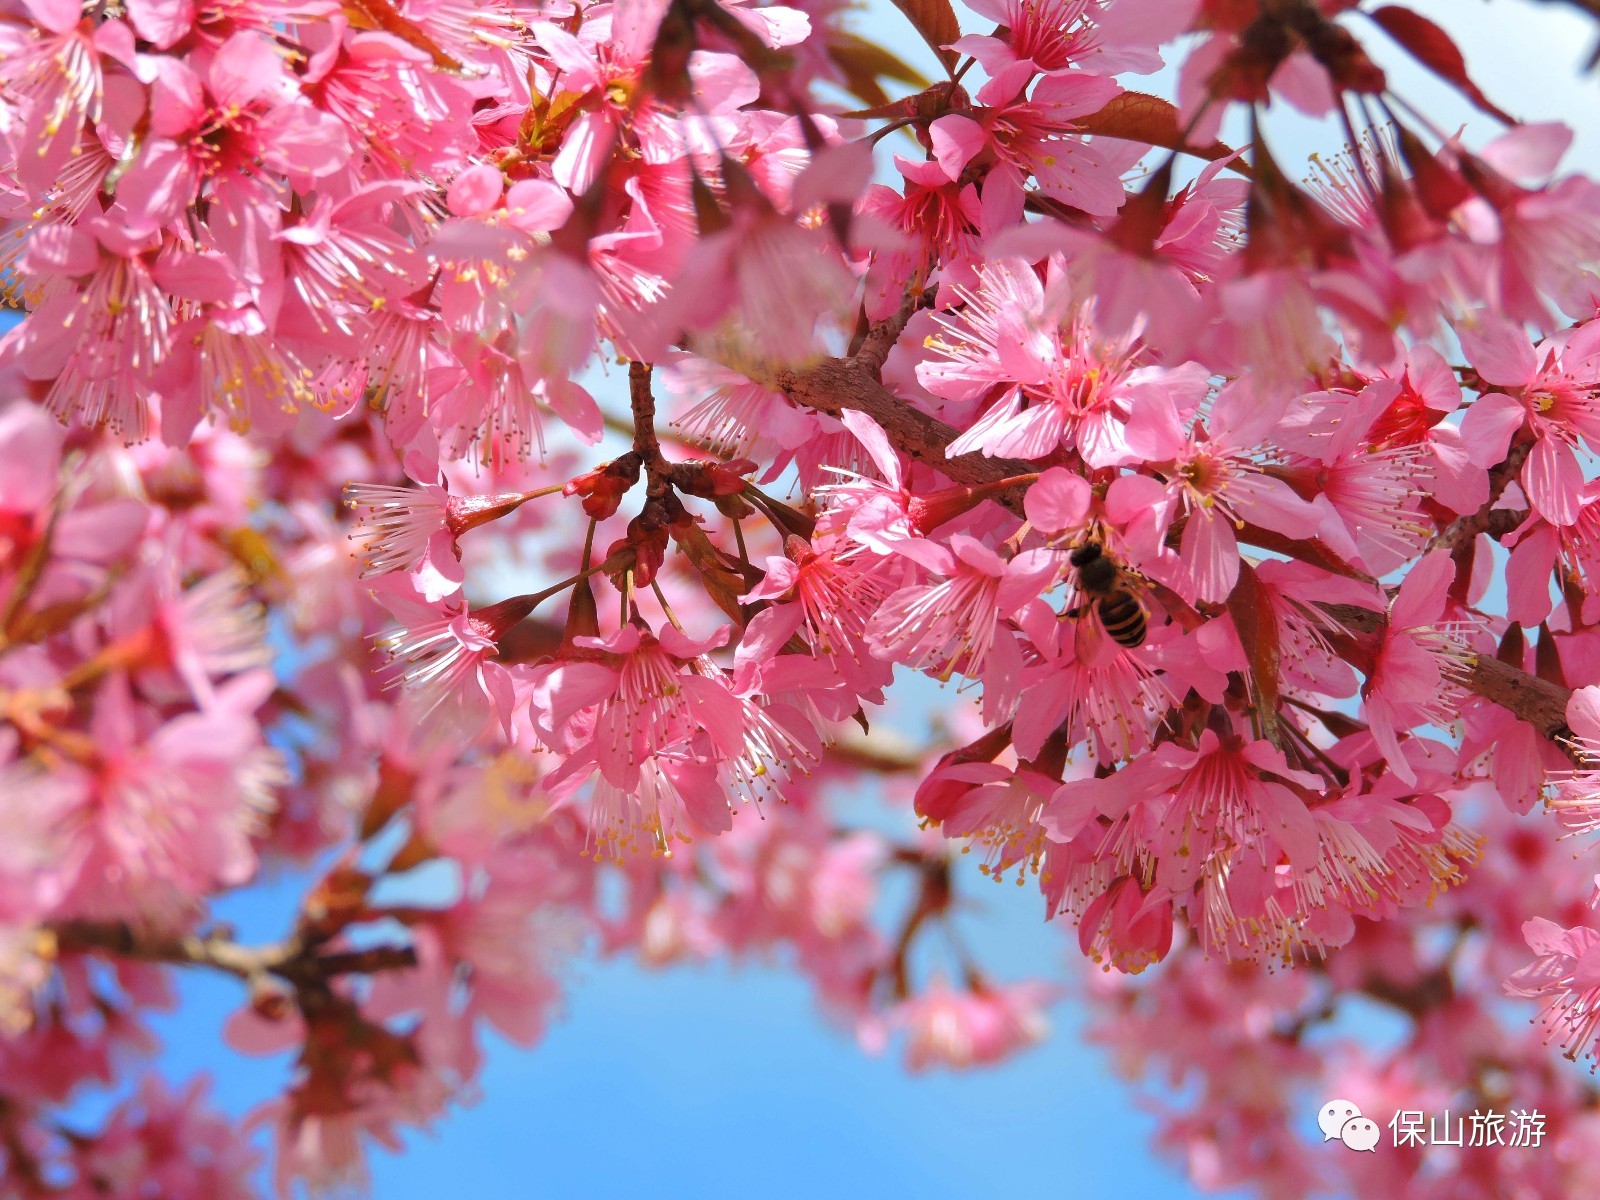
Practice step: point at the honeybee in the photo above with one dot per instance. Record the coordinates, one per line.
(1110, 589)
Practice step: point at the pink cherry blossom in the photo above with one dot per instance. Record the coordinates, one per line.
(482, 477)
(1563, 975)
(974, 1027)
(1554, 387)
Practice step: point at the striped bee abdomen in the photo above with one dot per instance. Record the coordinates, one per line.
(1105, 583)
(1124, 618)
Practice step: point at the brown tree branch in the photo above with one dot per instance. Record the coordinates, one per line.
(834, 385)
(292, 961)
(1496, 522)
(881, 337)
(1537, 701)
(642, 403)
(1488, 519)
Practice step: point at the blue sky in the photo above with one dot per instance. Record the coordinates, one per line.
(722, 1082)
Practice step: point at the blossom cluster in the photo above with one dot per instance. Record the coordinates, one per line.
(1253, 522)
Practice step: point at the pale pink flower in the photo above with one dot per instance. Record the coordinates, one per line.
(1048, 37)
(998, 808)
(401, 370)
(1140, 289)
(764, 291)
(229, 362)
(1428, 392)
(162, 818)
(30, 459)
(656, 705)
(729, 414)
(1227, 796)
(215, 629)
(1218, 479)
(405, 115)
(1421, 667)
(1551, 392)
(775, 24)
(654, 695)
(977, 1026)
(398, 526)
(1036, 137)
(1565, 974)
(872, 504)
(493, 415)
(966, 362)
(673, 930)
(676, 798)
(1058, 501)
(1542, 235)
(1539, 550)
(837, 589)
(1113, 700)
(1070, 385)
(809, 689)
(1394, 846)
(604, 60)
(1274, 329)
(442, 655)
(1574, 795)
(339, 262)
(101, 329)
(324, 1151)
(957, 623)
(1520, 760)
(943, 219)
(843, 884)
(211, 129)
(1203, 223)
(1298, 77)
(171, 1143)
(508, 938)
(557, 304)
(1295, 592)
(52, 64)
(401, 528)
(1370, 496)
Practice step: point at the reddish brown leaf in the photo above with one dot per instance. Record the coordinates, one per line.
(1257, 625)
(1547, 658)
(862, 64)
(391, 793)
(721, 581)
(1436, 50)
(889, 109)
(384, 16)
(418, 849)
(1137, 117)
(936, 21)
(1513, 646)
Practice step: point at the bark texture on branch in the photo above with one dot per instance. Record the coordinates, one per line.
(1537, 701)
(836, 384)
(294, 961)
